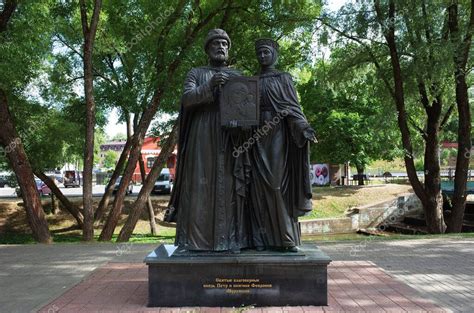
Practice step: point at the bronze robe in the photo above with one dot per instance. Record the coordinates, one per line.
(280, 189)
(206, 202)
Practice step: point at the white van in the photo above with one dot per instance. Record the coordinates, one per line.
(163, 184)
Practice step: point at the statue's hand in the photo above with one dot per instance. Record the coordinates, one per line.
(219, 79)
(233, 124)
(310, 135)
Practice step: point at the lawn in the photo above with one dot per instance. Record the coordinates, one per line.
(327, 202)
(334, 201)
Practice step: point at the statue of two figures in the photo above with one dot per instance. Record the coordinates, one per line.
(240, 187)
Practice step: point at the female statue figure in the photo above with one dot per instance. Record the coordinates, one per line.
(280, 189)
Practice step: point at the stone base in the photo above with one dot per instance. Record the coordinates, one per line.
(210, 279)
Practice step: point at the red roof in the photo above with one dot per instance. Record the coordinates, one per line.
(449, 144)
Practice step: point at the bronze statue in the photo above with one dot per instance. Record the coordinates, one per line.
(208, 199)
(280, 189)
(229, 194)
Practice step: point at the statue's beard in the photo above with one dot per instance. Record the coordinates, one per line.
(219, 58)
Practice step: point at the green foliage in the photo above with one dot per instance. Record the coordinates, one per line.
(50, 138)
(419, 165)
(425, 54)
(119, 137)
(25, 45)
(41, 61)
(110, 159)
(46, 132)
(349, 116)
(447, 155)
(131, 58)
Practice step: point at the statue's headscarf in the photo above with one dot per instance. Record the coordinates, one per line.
(271, 44)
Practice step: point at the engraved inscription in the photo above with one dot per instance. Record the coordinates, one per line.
(237, 285)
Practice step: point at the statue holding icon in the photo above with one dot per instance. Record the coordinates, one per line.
(228, 202)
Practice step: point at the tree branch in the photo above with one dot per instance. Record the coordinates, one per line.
(447, 115)
(369, 51)
(84, 20)
(64, 42)
(423, 95)
(225, 17)
(9, 8)
(418, 128)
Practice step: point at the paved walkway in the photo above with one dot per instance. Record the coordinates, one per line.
(439, 269)
(354, 286)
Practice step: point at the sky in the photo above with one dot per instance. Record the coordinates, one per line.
(113, 127)
(334, 5)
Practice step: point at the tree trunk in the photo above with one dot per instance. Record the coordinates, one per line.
(54, 207)
(8, 9)
(104, 202)
(21, 167)
(429, 198)
(147, 187)
(151, 215)
(462, 159)
(151, 211)
(360, 175)
(128, 120)
(464, 125)
(89, 33)
(88, 229)
(433, 204)
(68, 205)
(433, 209)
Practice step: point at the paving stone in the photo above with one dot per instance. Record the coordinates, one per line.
(350, 295)
(440, 271)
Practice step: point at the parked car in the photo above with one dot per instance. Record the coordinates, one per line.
(41, 188)
(3, 182)
(72, 179)
(117, 184)
(163, 184)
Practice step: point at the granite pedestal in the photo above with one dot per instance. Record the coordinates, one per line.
(266, 278)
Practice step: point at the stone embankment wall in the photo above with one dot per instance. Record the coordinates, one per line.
(372, 216)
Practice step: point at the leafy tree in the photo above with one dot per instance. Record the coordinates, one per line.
(22, 49)
(348, 116)
(110, 159)
(47, 137)
(89, 31)
(119, 137)
(410, 45)
(461, 28)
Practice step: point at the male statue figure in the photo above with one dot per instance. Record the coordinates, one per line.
(207, 199)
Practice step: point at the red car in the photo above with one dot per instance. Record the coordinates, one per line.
(41, 187)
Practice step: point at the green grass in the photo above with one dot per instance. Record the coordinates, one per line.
(165, 236)
(332, 202)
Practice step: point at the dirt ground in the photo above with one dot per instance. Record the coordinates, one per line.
(13, 215)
